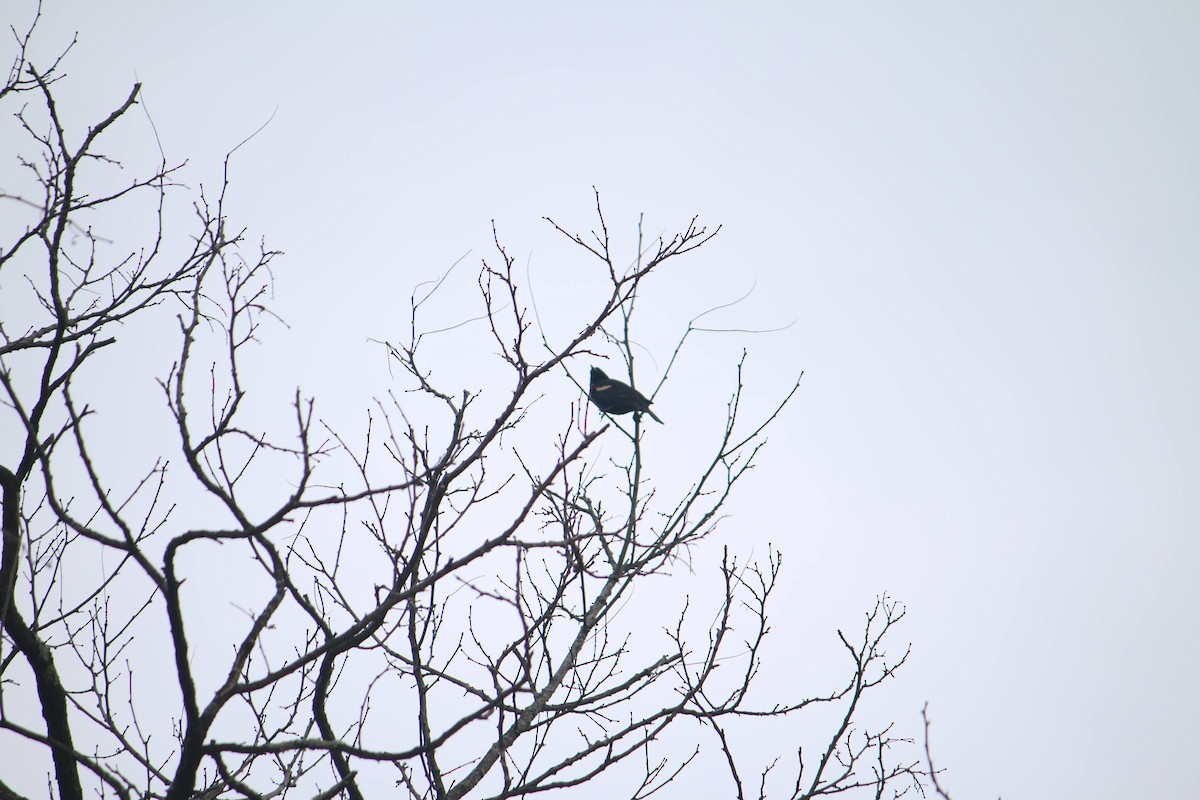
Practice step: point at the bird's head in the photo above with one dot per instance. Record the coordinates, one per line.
(598, 375)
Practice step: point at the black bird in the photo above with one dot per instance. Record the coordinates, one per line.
(614, 397)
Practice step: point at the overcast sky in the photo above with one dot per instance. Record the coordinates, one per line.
(983, 219)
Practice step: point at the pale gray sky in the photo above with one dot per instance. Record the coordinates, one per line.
(984, 219)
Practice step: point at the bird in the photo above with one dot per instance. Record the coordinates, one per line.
(613, 397)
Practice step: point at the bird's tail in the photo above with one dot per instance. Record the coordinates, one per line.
(655, 417)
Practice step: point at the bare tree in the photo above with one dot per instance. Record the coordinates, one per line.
(433, 601)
